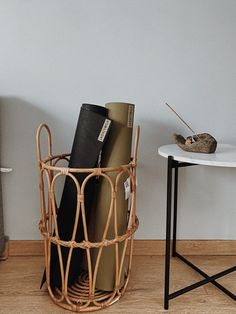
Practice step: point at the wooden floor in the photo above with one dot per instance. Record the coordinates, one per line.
(20, 278)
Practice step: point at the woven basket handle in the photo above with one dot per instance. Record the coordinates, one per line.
(38, 142)
(136, 144)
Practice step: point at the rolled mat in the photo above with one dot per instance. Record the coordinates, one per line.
(92, 129)
(116, 152)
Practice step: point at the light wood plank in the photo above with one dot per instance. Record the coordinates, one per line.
(20, 279)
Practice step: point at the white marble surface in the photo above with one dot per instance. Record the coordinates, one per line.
(224, 156)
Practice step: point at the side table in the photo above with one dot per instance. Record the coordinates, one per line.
(225, 156)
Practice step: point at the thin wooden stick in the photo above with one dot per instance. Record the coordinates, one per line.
(181, 119)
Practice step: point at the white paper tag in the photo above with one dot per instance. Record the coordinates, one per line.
(127, 188)
(130, 116)
(104, 130)
(5, 169)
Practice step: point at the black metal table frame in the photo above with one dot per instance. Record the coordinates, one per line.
(174, 164)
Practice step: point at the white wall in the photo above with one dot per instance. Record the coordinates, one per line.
(57, 54)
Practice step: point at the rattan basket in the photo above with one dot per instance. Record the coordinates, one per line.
(83, 296)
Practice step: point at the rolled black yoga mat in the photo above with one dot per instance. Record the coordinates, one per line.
(116, 152)
(91, 133)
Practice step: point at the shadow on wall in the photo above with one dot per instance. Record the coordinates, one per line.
(152, 174)
(19, 122)
(154, 133)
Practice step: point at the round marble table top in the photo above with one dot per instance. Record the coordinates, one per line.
(224, 156)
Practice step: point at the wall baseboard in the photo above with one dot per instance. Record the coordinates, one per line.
(141, 247)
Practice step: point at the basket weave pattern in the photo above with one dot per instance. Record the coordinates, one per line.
(83, 296)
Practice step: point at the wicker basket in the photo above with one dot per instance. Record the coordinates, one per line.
(83, 296)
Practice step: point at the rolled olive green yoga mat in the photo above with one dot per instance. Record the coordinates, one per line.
(116, 152)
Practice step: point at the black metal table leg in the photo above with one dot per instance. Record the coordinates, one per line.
(175, 208)
(168, 233)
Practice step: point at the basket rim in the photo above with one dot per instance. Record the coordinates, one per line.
(132, 164)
